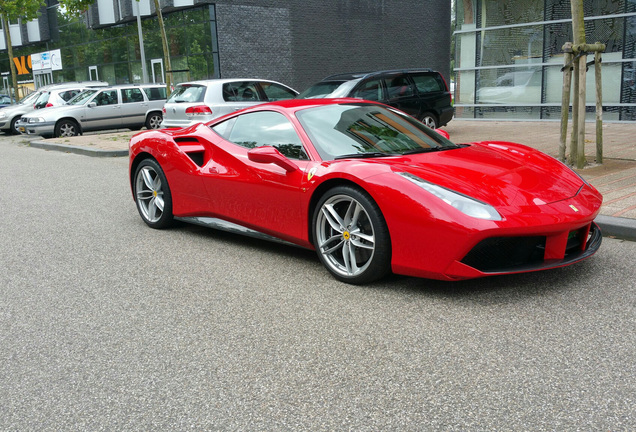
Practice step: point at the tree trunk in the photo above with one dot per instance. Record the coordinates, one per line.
(14, 73)
(166, 52)
(578, 31)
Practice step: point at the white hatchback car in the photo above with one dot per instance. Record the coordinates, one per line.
(201, 101)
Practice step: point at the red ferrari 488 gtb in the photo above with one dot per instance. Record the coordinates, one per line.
(371, 189)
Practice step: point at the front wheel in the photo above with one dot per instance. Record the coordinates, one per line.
(66, 128)
(351, 236)
(152, 194)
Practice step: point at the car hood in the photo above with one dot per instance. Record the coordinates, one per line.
(54, 111)
(498, 173)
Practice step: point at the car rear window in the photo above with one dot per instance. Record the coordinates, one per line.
(428, 83)
(187, 93)
(42, 100)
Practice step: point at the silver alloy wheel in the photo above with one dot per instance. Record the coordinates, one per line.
(154, 121)
(67, 129)
(344, 235)
(149, 194)
(429, 121)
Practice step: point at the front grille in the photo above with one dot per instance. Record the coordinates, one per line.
(498, 254)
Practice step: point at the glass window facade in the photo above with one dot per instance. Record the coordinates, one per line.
(112, 54)
(508, 57)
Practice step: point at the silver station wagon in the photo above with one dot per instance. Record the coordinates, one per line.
(202, 101)
(117, 107)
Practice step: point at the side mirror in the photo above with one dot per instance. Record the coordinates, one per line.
(92, 105)
(268, 154)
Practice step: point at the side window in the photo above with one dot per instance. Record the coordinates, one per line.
(243, 91)
(267, 128)
(131, 95)
(107, 97)
(427, 83)
(225, 128)
(369, 90)
(155, 93)
(275, 92)
(398, 87)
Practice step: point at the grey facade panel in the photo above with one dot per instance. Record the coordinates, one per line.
(300, 43)
(255, 42)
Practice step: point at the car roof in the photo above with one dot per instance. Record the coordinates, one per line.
(224, 80)
(72, 84)
(358, 75)
(300, 104)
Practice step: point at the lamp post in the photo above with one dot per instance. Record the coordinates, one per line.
(144, 70)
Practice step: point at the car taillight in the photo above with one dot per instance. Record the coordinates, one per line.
(198, 110)
(164, 110)
(48, 105)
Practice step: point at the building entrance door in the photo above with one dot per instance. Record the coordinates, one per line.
(93, 75)
(157, 71)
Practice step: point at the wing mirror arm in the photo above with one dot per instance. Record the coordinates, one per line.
(268, 154)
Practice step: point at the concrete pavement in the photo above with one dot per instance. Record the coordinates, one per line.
(615, 178)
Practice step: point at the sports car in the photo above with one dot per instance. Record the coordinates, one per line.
(370, 188)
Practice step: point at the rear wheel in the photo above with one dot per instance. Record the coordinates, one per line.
(429, 120)
(152, 194)
(351, 236)
(66, 128)
(153, 121)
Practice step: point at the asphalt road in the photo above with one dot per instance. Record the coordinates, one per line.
(108, 325)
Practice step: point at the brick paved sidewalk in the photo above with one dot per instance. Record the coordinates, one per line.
(615, 179)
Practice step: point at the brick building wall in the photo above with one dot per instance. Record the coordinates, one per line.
(301, 42)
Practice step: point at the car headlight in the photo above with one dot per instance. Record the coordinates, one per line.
(3, 115)
(467, 205)
(35, 120)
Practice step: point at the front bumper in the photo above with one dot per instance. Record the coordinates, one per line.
(44, 128)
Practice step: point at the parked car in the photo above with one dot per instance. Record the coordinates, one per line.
(370, 188)
(125, 106)
(10, 115)
(59, 95)
(202, 101)
(422, 93)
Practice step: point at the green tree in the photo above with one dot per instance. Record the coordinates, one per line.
(77, 7)
(12, 10)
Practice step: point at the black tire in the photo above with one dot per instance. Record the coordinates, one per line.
(152, 195)
(430, 120)
(153, 121)
(351, 236)
(12, 129)
(66, 128)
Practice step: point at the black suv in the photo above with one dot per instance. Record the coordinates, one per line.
(422, 93)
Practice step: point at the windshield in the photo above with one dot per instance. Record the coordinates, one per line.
(367, 130)
(30, 98)
(320, 90)
(82, 98)
(329, 89)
